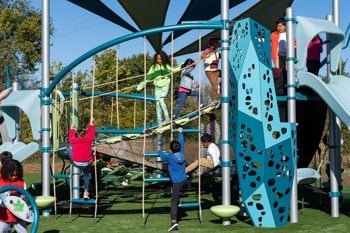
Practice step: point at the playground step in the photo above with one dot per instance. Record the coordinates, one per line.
(151, 154)
(160, 179)
(194, 130)
(83, 201)
(189, 204)
(60, 176)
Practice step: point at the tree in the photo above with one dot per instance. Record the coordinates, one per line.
(130, 72)
(20, 37)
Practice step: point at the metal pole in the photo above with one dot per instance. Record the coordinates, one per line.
(75, 121)
(291, 106)
(226, 160)
(336, 21)
(336, 12)
(15, 87)
(45, 120)
(334, 145)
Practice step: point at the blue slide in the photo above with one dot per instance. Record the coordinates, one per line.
(311, 115)
(335, 93)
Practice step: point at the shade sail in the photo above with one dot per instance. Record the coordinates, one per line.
(100, 9)
(151, 13)
(147, 14)
(198, 10)
(265, 12)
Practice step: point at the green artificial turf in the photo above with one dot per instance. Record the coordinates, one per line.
(120, 210)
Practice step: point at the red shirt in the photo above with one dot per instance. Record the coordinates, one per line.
(314, 50)
(5, 214)
(275, 35)
(81, 146)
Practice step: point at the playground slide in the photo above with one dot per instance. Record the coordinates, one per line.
(335, 93)
(311, 115)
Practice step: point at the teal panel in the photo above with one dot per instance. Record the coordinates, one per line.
(20, 150)
(29, 102)
(264, 146)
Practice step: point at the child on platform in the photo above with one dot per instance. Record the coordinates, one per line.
(186, 86)
(211, 56)
(279, 44)
(11, 174)
(160, 72)
(314, 51)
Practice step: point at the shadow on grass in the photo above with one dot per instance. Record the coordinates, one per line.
(316, 198)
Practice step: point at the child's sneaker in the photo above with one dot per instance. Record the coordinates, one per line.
(86, 195)
(174, 227)
(125, 182)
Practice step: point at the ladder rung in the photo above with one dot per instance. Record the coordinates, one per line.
(60, 176)
(189, 204)
(160, 179)
(151, 154)
(83, 201)
(187, 130)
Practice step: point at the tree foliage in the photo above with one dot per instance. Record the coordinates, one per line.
(120, 111)
(20, 36)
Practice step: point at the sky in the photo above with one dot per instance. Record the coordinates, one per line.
(77, 31)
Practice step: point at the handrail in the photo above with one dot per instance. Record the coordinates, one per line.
(177, 27)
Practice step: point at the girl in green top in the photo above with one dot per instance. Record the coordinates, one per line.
(160, 72)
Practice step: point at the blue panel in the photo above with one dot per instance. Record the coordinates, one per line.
(264, 146)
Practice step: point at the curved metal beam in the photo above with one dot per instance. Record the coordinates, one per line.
(197, 25)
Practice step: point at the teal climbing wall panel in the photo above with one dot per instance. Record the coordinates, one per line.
(264, 146)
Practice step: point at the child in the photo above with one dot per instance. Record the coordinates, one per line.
(212, 158)
(314, 51)
(11, 174)
(211, 58)
(176, 166)
(279, 44)
(82, 151)
(186, 86)
(159, 72)
(4, 156)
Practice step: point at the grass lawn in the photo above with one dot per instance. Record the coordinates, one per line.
(121, 211)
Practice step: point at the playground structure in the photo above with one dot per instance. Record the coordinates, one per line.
(265, 147)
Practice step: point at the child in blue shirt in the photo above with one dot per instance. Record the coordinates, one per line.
(176, 167)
